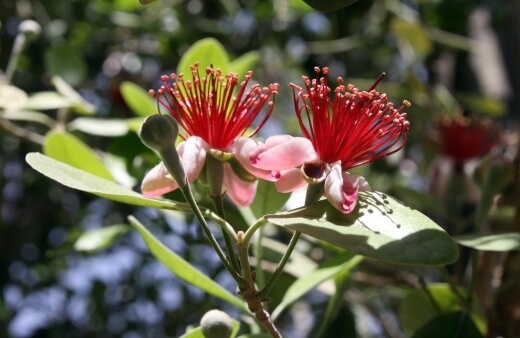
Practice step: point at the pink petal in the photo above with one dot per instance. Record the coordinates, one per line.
(240, 192)
(242, 147)
(157, 182)
(290, 180)
(192, 153)
(283, 152)
(341, 188)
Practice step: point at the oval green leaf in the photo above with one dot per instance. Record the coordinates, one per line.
(381, 228)
(206, 52)
(100, 127)
(83, 181)
(99, 239)
(184, 270)
(67, 148)
(449, 325)
(80, 104)
(507, 241)
(138, 99)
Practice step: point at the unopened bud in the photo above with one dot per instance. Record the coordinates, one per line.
(216, 324)
(30, 28)
(159, 132)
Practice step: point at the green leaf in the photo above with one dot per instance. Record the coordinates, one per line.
(99, 239)
(47, 100)
(67, 148)
(141, 103)
(184, 270)
(207, 52)
(255, 335)
(100, 127)
(66, 62)
(197, 332)
(417, 309)
(414, 34)
(329, 5)
(244, 63)
(80, 105)
(83, 181)
(507, 241)
(304, 284)
(381, 228)
(267, 199)
(449, 325)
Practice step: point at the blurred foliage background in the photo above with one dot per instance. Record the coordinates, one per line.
(448, 57)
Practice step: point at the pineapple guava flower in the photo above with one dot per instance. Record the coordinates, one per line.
(214, 111)
(350, 129)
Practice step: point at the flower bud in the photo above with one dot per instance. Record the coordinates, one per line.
(159, 132)
(216, 324)
(30, 28)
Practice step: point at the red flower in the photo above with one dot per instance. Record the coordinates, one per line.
(214, 111)
(463, 138)
(350, 129)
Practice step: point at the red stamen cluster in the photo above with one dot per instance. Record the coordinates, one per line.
(354, 127)
(464, 138)
(207, 107)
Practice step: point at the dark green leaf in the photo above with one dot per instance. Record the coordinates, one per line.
(66, 62)
(99, 239)
(508, 241)
(381, 228)
(184, 270)
(328, 5)
(308, 282)
(449, 325)
(83, 181)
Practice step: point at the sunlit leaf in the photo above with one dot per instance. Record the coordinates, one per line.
(381, 228)
(197, 332)
(12, 97)
(308, 282)
(47, 100)
(80, 105)
(328, 5)
(99, 239)
(66, 62)
(67, 148)
(255, 335)
(454, 324)
(29, 116)
(507, 241)
(83, 181)
(100, 127)
(207, 52)
(184, 270)
(414, 34)
(138, 99)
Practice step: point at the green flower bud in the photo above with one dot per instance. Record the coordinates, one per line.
(30, 28)
(216, 324)
(159, 132)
